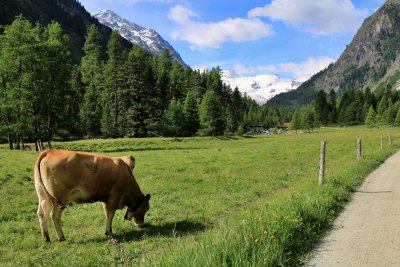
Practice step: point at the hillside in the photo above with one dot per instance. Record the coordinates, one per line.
(371, 60)
(69, 13)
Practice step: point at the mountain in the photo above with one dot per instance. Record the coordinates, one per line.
(371, 60)
(261, 87)
(147, 39)
(69, 13)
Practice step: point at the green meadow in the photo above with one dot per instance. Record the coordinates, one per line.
(224, 201)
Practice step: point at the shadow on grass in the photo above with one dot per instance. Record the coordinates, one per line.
(171, 230)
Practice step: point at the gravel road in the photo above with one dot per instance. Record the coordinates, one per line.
(367, 233)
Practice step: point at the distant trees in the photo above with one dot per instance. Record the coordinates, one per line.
(35, 74)
(352, 108)
(114, 94)
(132, 93)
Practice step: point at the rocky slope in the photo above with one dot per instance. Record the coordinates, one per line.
(371, 60)
(147, 39)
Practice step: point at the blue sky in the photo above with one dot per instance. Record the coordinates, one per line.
(292, 38)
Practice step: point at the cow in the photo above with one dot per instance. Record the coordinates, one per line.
(63, 176)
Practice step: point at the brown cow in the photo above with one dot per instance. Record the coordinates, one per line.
(66, 176)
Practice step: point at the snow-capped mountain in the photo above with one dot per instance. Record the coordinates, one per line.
(261, 87)
(147, 39)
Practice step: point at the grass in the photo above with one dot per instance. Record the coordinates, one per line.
(215, 201)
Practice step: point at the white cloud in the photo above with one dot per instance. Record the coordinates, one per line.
(301, 71)
(317, 17)
(304, 70)
(213, 34)
(181, 14)
(244, 70)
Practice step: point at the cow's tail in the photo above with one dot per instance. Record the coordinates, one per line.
(39, 180)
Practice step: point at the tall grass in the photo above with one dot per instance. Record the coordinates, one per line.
(215, 201)
(276, 232)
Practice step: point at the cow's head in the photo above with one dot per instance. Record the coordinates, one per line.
(138, 212)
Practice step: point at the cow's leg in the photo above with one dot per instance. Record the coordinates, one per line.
(56, 216)
(43, 213)
(104, 205)
(109, 215)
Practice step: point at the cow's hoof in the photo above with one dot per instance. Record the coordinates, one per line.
(62, 239)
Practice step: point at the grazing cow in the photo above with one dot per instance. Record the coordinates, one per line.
(65, 176)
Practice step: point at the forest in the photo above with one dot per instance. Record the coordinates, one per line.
(120, 93)
(131, 93)
(354, 107)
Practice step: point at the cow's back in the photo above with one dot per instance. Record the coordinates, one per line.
(81, 177)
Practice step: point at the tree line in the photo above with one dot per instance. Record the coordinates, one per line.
(354, 107)
(120, 93)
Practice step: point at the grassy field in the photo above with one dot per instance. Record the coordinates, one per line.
(236, 201)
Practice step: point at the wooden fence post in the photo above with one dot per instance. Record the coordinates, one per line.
(390, 138)
(381, 141)
(322, 163)
(358, 149)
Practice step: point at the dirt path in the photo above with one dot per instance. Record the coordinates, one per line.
(367, 233)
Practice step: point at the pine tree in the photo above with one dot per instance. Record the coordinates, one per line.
(55, 77)
(92, 77)
(370, 118)
(143, 107)
(332, 117)
(173, 122)
(321, 107)
(237, 108)
(114, 84)
(397, 120)
(176, 81)
(308, 118)
(295, 124)
(191, 114)
(214, 82)
(162, 70)
(211, 112)
(390, 113)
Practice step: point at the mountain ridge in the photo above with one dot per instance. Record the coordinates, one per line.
(372, 59)
(145, 38)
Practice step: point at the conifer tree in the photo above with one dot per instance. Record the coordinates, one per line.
(211, 112)
(370, 118)
(114, 84)
(92, 77)
(55, 77)
(191, 114)
(142, 113)
(397, 120)
(173, 122)
(162, 70)
(332, 117)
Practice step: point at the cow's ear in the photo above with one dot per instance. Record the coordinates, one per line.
(147, 197)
